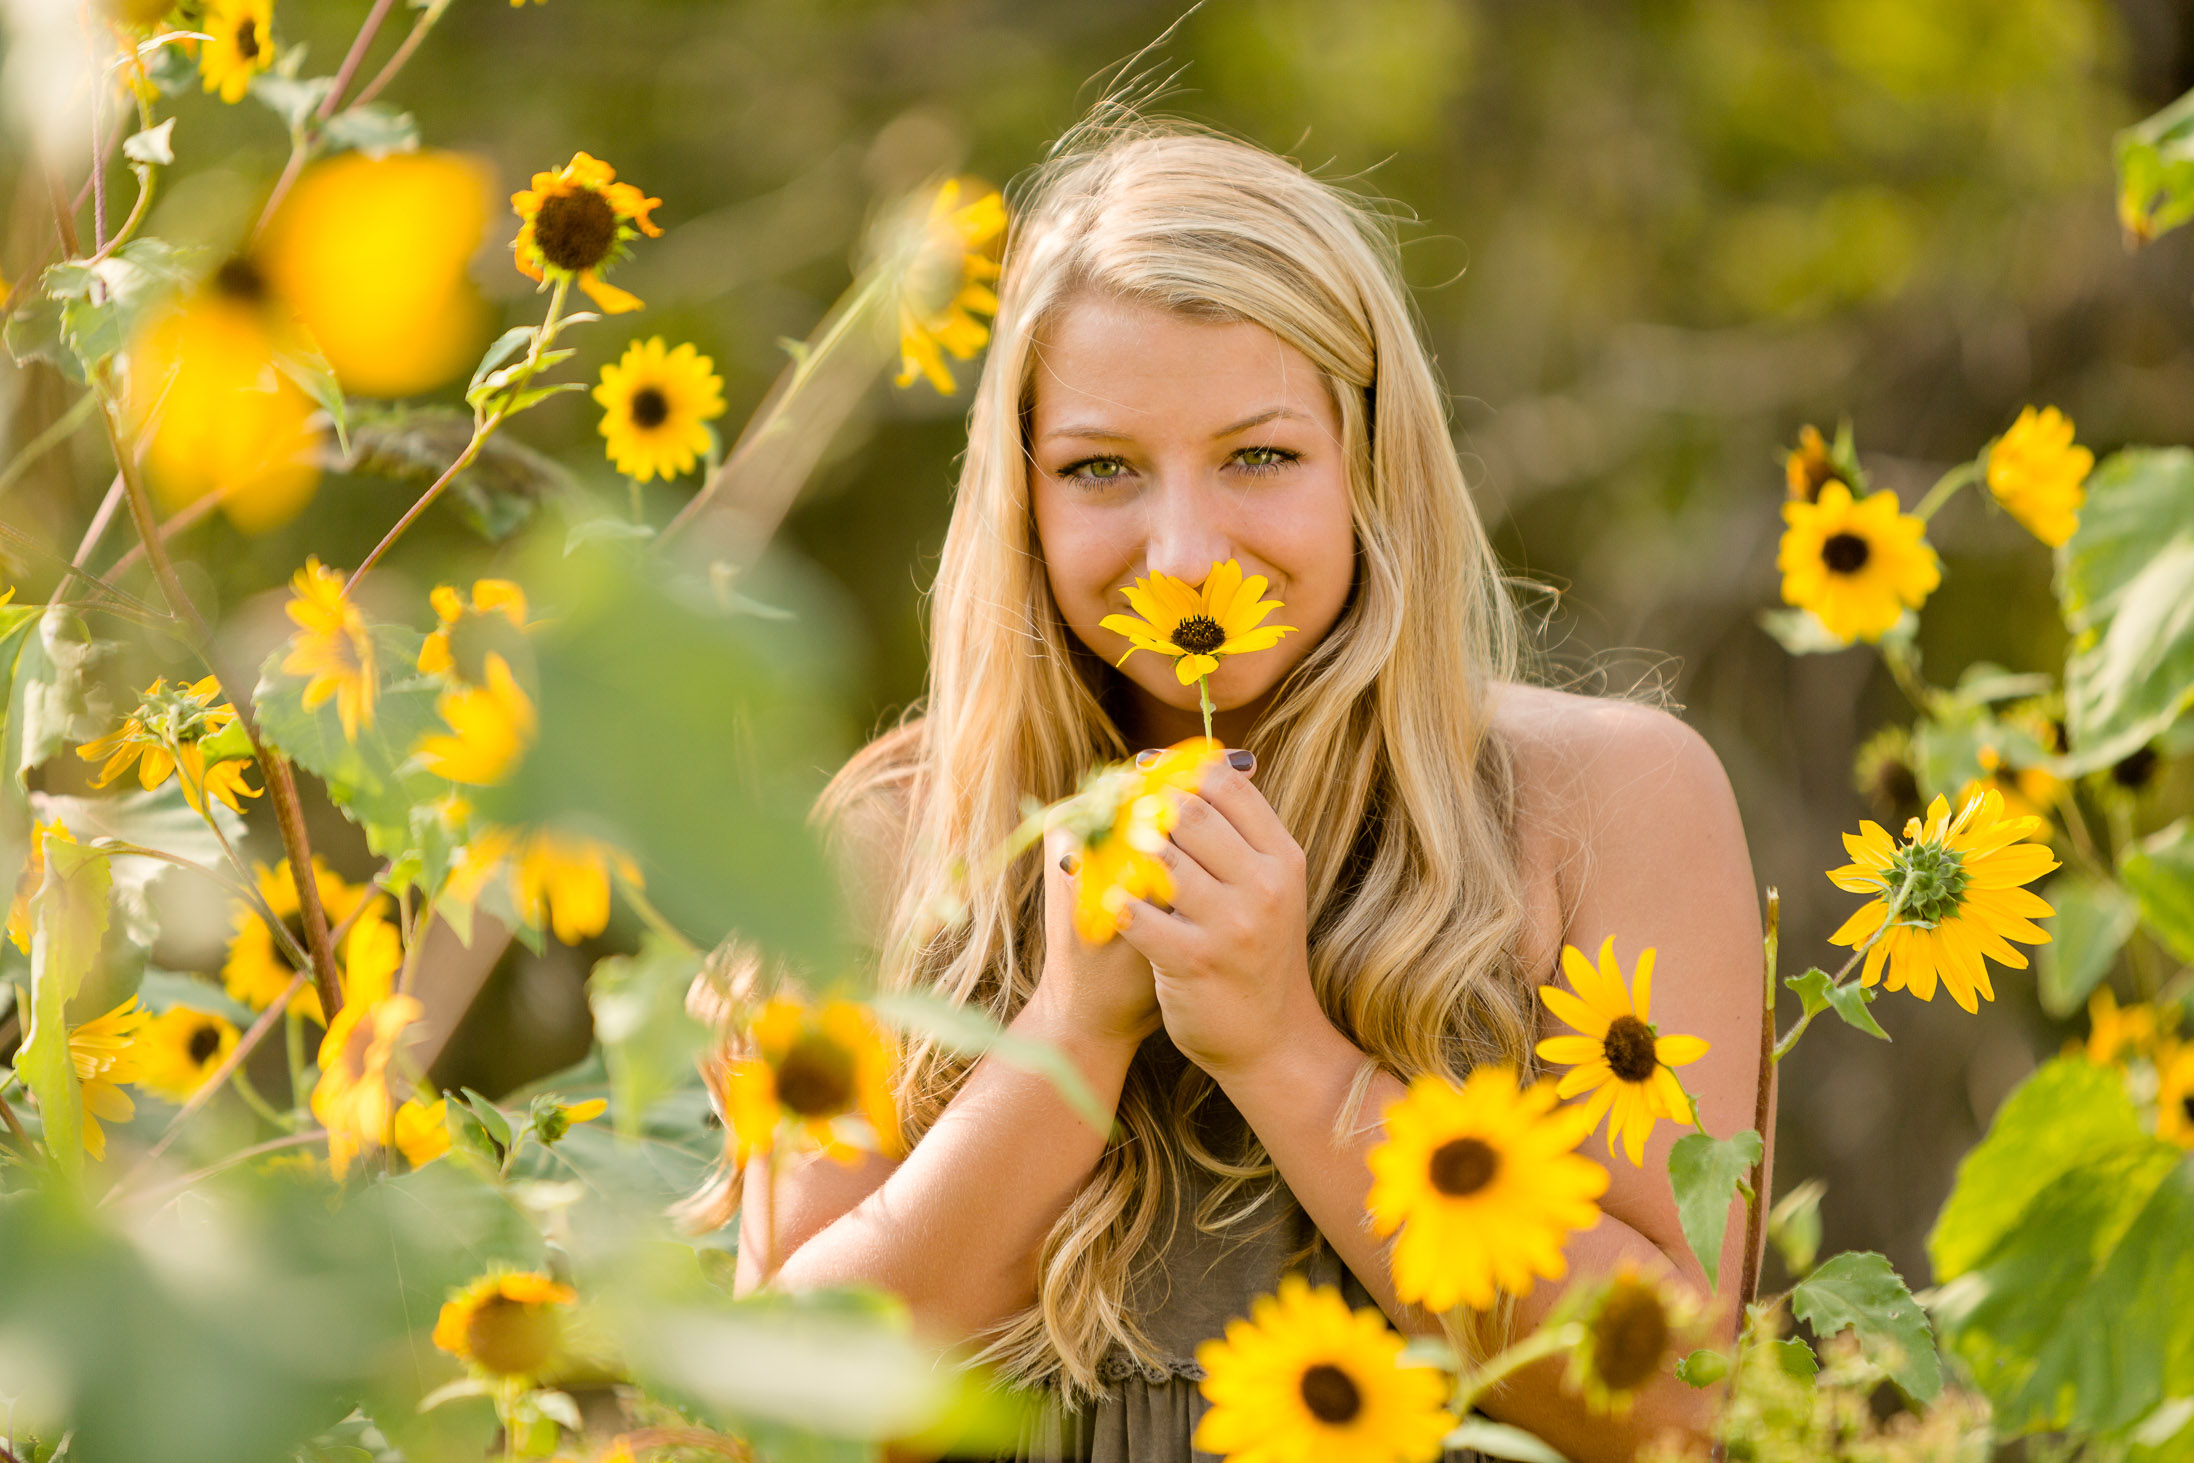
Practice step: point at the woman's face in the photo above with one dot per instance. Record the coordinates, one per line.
(1165, 444)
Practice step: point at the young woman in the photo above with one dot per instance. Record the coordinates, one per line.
(1202, 353)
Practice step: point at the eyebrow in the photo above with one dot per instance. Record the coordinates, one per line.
(1104, 434)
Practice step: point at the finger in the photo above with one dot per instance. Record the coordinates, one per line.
(1157, 935)
(1206, 835)
(1234, 795)
(1196, 893)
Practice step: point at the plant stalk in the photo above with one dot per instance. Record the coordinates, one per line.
(1763, 1100)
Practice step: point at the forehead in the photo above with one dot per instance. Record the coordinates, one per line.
(1135, 368)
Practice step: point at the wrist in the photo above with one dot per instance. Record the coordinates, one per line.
(1101, 1053)
(1309, 1051)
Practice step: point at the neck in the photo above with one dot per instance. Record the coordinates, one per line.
(1149, 722)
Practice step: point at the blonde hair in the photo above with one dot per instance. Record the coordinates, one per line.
(1378, 752)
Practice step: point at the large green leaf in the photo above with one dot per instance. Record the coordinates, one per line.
(55, 697)
(1705, 1173)
(2160, 873)
(159, 819)
(2094, 917)
(1860, 1290)
(648, 1037)
(2125, 584)
(69, 917)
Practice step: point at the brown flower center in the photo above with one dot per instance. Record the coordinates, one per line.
(1199, 635)
(512, 1338)
(1463, 1166)
(1844, 553)
(1330, 1395)
(815, 1080)
(239, 279)
(2135, 768)
(2186, 1105)
(650, 408)
(204, 1042)
(575, 230)
(1629, 1048)
(247, 39)
(1629, 1337)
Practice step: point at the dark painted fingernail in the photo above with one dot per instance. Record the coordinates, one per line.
(1069, 862)
(1242, 761)
(1147, 756)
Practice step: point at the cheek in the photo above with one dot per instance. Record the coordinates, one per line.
(1081, 558)
(1316, 545)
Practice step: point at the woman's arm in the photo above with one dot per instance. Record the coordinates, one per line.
(956, 1226)
(1665, 865)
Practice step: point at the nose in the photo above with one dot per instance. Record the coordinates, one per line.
(1186, 532)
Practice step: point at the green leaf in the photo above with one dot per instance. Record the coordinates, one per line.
(504, 346)
(2094, 918)
(153, 145)
(496, 493)
(55, 698)
(289, 98)
(373, 129)
(1794, 1225)
(648, 1037)
(305, 365)
(163, 990)
(1819, 992)
(1705, 1173)
(1796, 1359)
(1499, 1440)
(1799, 631)
(534, 395)
(69, 918)
(973, 1033)
(33, 333)
(2160, 873)
(1703, 1368)
(161, 820)
(490, 1116)
(103, 302)
(2155, 160)
(2125, 585)
(1860, 1290)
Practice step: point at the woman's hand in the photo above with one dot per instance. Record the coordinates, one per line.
(1102, 992)
(1231, 957)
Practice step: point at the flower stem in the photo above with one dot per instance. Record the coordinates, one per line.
(1540, 1344)
(1203, 697)
(1762, 1099)
(1946, 487)
(1889, 916)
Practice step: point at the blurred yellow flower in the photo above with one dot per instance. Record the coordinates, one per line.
(351, 1099)
(490, 728)
(241, 48)
(105, 1052)
(2175, 1096)
(1856, 566)
(1618, 1056)
(559, 880)
(507, 1324)
(1120, 820)
(1807, 468)
(371, 254)
(1484, 1183)
(420, 1130)
(1198, 625)
(222, 418)
(33, 875)
(257, 970)
(2039, 476)
(656, 407)
(467, 632)
(166, 735)
(2028, 792)
(1964, 898)
(179, 1049)
(1634, 1327)
(945, 278)
(812, 1069)
(2113, 1034)
(1306, 1380)
(575, 221)
(332, 645)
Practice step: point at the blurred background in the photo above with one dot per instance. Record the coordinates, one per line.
(1649, 241)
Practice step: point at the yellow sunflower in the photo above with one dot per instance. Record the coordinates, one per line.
(946, 270)
(2028, 792)
(1120, 820)
(420, 1131)
(575, 221)
(1808, 468)
(1306, 1380)
(1617, 1054)
(166, 735)
(490, 727)
(2175, 1097)
(2039, 476)
(1856, 566)
(1635, 1324)
(1485, 1185)
(813, 1069)
(1198, 625)
(332, 646)
(34, 874)
(351, 1099)
(655, 407)
(507, 1325)
(1964, 898)
(2113, 1034)
(466, 632)
(105, 1052)
(179, 1049)
(241, 48)
(559, 880)
(257, 971)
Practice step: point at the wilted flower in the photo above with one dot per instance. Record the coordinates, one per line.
(1618, 1056)
(1304, 1379)
(945, 281)
(351, 1099)
(332, 646)
(1856, 566)
(575, 221)
(2039, 476)
(656, 407)
(179, 1048)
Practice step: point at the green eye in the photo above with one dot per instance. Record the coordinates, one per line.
(1265, 459)
(1101, 469)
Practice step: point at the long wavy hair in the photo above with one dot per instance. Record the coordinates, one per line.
(1378, 752)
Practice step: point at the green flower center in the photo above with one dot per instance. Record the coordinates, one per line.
(1629, 1337)
(1199, 635)
(1330, 1394)
(1463, 1166)
(1844, 553)
(815, 1080)
(650, 408)
(575, 231)
(1938, 882)
(512, 1338)
(204, 1042)
(1629, 1049)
